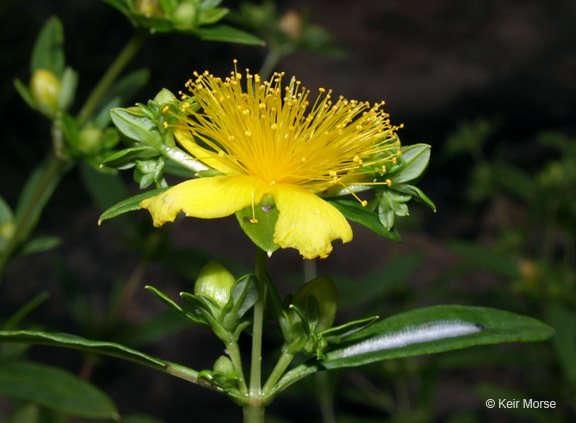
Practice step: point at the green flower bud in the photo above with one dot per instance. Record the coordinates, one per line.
(291, 24)
(224, 366)
(215, 282)
(324, 291)
(185, 15)
(89, 140)
(7, 229)
(149, 7)
(164, 96)
(45, 89)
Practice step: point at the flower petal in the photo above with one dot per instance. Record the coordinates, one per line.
(208, 157)
(307, 222)
(207, 198)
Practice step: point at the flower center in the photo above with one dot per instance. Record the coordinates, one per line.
(261, 129)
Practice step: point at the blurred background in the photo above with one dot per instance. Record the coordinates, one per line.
(490, 85)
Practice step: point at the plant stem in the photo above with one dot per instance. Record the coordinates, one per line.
(254, 408)
(45, 179)
(234, 352)
(281, 366)
(110, 76)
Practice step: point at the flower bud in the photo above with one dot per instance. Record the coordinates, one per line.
(164, 96)
(45, 89)
(291, 24)
(184, 17)
(215, 282)
(224, 366)
(89, 140)
(324, 291)
(149, 7)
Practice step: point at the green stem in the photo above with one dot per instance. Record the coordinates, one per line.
(110, 76)
(281, 366)
(325, 398)
(234, 352)
(270, 62)
(44, 179)
(254, 408)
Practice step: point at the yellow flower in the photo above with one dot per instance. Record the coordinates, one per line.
(267, 141)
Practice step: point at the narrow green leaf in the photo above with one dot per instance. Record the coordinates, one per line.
(48, 52)
(354, 211)
(486, 258)
(416, 194)
(415, 158)
(130, 204)
(564, 321)
(125, 88)
(127, 156)
(54, 388)
(211, 16)
(46, 175)
(67, 88)
(25, 93)
(23, 311)
(38, 245)
(29, 413)
(78, 343)
(434, 329)
(261, 231)
(228, 34)
(173, 306)
(5, 211)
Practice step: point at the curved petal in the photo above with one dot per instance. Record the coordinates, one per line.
(207, 198)
(208, 157)
(307, 222)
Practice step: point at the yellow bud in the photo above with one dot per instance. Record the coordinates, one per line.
(291, 24)
(149, 7)
(215, 282)
(45, 89)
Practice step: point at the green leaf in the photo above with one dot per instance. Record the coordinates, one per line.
(136, 126)
(486, 258)
(228, 34)
(38, 245)
(29, 195)
(173, 306)
(124, 89)
(130, 204)
(78, 343)
(416, 194)
(514, 180)
(338, 333)
(67, 88)
(127, 156)
(564, 343)
(354, 211)
(5, 212)
(415, 158)
(261, 232)
(434, 329)
(25, 93)
(23, 311)
(48, 52)
(379, 284)
(54, 388)
(211, 16)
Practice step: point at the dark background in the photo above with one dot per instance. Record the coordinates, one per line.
(435, 64)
